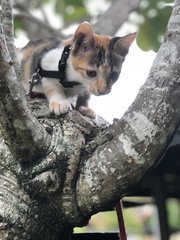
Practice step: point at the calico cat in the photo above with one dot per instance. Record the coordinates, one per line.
(93, 64)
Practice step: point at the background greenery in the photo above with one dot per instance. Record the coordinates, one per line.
(139, 221)
(151, 17)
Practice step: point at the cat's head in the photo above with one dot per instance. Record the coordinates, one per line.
(97, 59)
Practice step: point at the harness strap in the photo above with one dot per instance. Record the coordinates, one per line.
(60, 74)
(57, 75)
(122, 230)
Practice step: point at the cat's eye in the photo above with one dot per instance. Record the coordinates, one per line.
(91, 73)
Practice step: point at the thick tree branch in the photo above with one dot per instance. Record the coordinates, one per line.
(111, 21)
(141, 136)
(8, 28)
(21, 130)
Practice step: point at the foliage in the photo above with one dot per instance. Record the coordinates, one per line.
(72, 11)
(101, 222)
(152, 17)
(155, 15)
(134, 222)
(107, 221)
(173, 212)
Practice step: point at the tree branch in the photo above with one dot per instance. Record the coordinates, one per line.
(8, 28)
(109, 22)
(52, 31)
(23, 133)
(141, 136)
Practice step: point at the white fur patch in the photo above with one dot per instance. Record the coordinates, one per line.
(51, 59)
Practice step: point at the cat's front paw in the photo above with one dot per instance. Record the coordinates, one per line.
(59, 107)
(86, 111)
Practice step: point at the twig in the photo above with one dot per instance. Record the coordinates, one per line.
(52, 31)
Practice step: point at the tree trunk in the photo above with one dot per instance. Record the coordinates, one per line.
(56, 172)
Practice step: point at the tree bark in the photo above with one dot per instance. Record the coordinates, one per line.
(111, 21)
(56, 172)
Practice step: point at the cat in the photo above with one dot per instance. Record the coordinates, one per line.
(93, 65)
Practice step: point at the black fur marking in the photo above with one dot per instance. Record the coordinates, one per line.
(78, 43)
(123, 51)
(112, 78)
(82, 43)
(101, 55)
(111, 60)
(83, 100)
(112, 42)
(98, 57)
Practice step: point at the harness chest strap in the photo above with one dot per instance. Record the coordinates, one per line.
(60, 74)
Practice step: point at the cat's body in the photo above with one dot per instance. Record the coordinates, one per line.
(94, 63)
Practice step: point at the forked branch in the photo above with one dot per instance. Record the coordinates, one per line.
(22, 131)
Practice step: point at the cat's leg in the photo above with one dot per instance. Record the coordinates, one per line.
(58, 102)
(82, 106)
(86, 111)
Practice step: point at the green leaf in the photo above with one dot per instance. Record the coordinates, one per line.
(60, 7)
(46, 1)
(77, 15)
(77, 3)
(154, 26)
(18, 24)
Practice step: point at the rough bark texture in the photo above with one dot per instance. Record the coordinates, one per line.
(56, 172)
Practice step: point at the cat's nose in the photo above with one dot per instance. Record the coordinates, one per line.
(102, 92)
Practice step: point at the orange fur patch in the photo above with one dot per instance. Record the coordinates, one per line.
(54, 105)
(80, 64)
(101, 85)
(68, 42)
(102, 41)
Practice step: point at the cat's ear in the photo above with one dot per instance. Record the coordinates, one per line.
(122, 45)
(83, 38)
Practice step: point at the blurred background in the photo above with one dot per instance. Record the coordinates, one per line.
(59, 18)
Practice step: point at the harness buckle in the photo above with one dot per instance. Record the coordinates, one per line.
(35, 79)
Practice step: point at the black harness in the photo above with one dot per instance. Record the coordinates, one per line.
(60, 74)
